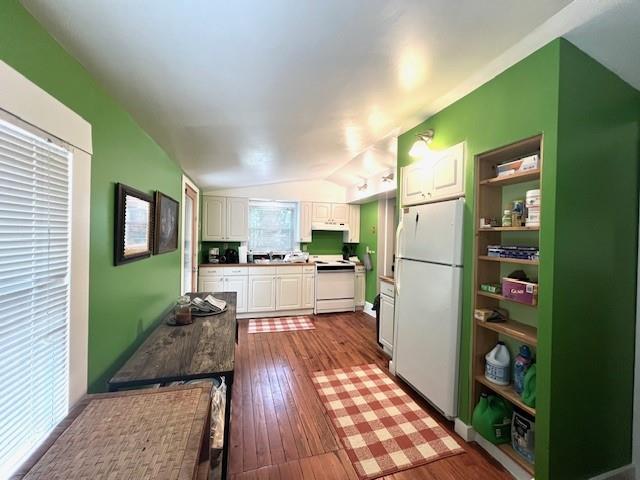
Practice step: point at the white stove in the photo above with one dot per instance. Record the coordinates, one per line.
(335, 286)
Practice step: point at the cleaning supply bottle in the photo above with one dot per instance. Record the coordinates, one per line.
(529, 390)
(520, 366)
(498, 363)
(492, 419)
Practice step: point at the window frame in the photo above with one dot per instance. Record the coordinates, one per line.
(27, 106)
(295, 245)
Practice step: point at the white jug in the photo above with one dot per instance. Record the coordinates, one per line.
(498, 363)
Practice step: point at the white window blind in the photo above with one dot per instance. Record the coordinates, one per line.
(34, 290)
(272, 226)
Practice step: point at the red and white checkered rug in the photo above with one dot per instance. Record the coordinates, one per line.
(280, 324)
(383, 430)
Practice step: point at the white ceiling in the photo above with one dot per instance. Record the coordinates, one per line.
(253, 92)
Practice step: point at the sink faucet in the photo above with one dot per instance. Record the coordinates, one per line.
(270, 255)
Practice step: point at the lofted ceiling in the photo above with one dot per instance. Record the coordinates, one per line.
(253, 92)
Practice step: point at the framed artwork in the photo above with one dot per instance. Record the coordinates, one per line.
(166, 224)
(134, 225)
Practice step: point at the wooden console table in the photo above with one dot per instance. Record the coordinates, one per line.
(204, 349)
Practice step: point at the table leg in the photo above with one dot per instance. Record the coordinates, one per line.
(227, 427)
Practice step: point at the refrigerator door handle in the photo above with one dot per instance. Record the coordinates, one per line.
(398, 244)
(397, 278)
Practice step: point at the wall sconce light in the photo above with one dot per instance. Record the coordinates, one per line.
(363, 187)
(388, 178)
(421, 146)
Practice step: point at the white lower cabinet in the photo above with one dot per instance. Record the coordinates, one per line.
(385, 335)
(262, 293)
(263, 289)
(238, 284)
(360, 289)
(308, 291)
(288, 292)
(211, 284)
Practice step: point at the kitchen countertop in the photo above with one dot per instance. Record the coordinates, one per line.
(388, 279)
(277, 264)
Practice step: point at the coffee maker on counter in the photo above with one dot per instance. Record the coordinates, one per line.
(214, 255)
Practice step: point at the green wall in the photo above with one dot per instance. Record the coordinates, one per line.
(369, 238)
(124, 301)
(519, 103)
(588, 237)
(324, 243)
(596, 241)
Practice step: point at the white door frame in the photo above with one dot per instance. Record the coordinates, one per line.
(186, 181)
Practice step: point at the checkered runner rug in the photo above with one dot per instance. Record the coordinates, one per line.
(280, 324)
(383, 430)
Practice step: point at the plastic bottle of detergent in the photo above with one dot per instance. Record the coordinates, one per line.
(492, 419)
(520, 367)
(498, 363)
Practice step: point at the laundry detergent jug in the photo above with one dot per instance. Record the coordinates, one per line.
(498, 363)
(492, 419)
(529, 387)
(520, 366)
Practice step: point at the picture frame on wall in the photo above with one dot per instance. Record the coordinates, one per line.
(167, 213)
(133, 226)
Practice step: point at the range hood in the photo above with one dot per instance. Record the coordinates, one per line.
(333, 227)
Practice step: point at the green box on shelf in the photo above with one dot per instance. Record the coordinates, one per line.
(494, 288)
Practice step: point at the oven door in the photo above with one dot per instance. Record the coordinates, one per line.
(335, 285)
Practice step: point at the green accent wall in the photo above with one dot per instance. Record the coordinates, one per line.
(369, 238)
(588, 237)
(324, 243)
(124, 301)
(596, 242)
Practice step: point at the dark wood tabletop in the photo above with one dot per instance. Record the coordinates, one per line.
(203, 349)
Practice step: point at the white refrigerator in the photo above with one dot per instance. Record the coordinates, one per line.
(428, 297)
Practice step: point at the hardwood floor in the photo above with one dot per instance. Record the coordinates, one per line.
(279, 429)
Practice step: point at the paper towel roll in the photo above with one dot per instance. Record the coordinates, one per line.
(242, 254)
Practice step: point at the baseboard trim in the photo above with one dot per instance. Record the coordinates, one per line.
(623, 473)
(281, 313)
(368, 309)
(464, 430)
(469, 435)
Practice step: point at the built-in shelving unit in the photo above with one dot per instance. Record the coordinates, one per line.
(492, 196)
(486, 258)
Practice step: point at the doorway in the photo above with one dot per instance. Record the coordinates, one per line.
(190, 213)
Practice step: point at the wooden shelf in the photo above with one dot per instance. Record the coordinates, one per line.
(508, 450)
(508, 393)
(519, 331)
(504, 299)
(509, 229)
(518, 261)
(511, 179)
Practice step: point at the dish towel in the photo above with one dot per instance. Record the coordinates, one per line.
(367, 262)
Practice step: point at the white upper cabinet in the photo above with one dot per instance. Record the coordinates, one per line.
(339, 213)
(330, 213)
(238, 219)
(321, 212)
(440, 176)
(225, 219)
(353, 234)
(415, 183)
(214, 218)
(304, 221)
(288, 292)
(447, 179)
